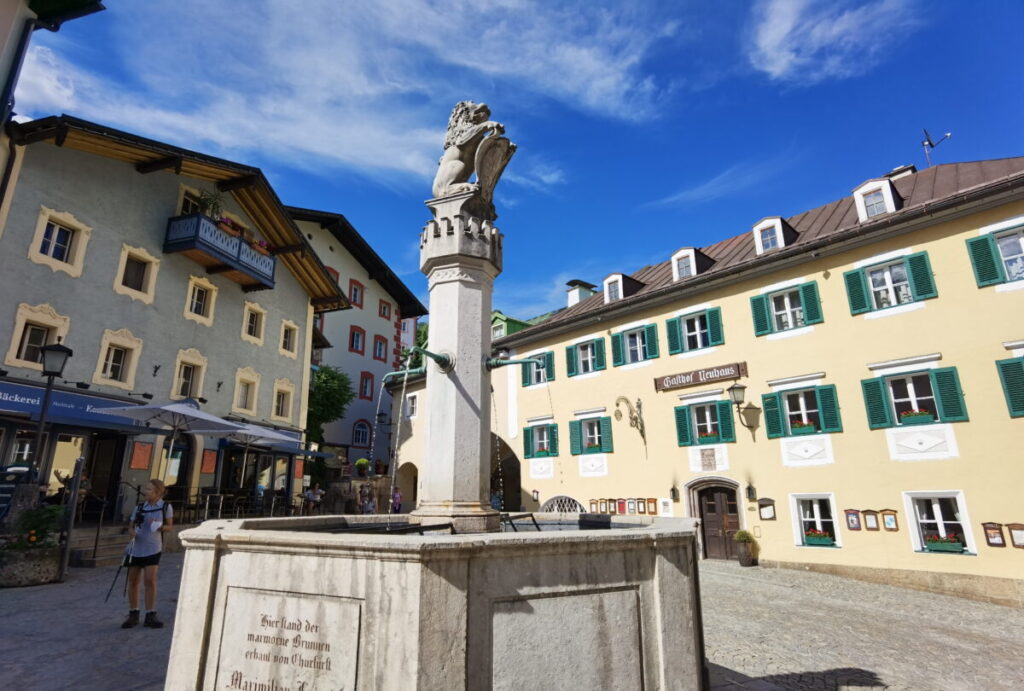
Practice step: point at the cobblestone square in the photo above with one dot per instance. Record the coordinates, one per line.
(764, 629)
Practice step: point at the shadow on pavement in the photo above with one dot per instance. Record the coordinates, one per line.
(723, 678)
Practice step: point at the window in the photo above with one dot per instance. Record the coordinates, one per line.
(411, 405)
(189, 372)
(997, 258)
(705, 423)
(366, 386)
(539, 374)
(187, 380)
(914, 398)
(200, 300)
(769, 238)
(405, 326)
(635, 345)
(355, 293)
(584, 358)
(817, 525)
(284, 394)
(939, 521)
(540, 441)
(695, 331)
(59, 242)
(786, 309)
(119, 354)
(614, 290)
(384, 309)
(289, 339)
(361, 434)
(891, 284)
(497, 331)
(34, 327)
(33, 338)
(115, 364)
(380, 348)
(684, 266)
(134, 275)
(772, 232)
(1011, 375)
(190, 203)
(247, 388)
(590, 435)
(803, 411)
(874, 203)
(356, 340)
(253, 321)
(244, 399)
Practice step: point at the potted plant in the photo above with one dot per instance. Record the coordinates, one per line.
(707, 438)
(362, 467)
(261, 246)
(744, 548)
(949, 543)
(31, 556)
(229, 226)
(916, 417)
(593, 448)
(799, 427)
(211, 203)
(819, 538)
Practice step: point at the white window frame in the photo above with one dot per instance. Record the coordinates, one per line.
(357, 341)
(860, 194)
(411, 405)
(361, 426)
(252, 308)
(705, 418)
(591, 433)
(538, 373)
(125, 340)
(913, 398)
(910, 511)
(696, 326)
(366, 382)
(586, 357)
(890, 287)
(246, 376)
(793, 314)
(384, 349)
(774, 224)
(286, 387)
(192, 357)
(25, 342)
(796, 516)
(614, 279)
(691, 256)
(872, 201)
(497, 331)
(1019, 233)
(541, 437)
(640, 346)
(802, 409)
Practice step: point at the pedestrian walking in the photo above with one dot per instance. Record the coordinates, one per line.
(396, 501)
(149, 521)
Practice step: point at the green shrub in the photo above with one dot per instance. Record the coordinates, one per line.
(742, 536)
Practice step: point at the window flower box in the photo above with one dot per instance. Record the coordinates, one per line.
(916, 417)
(708, 439)
(818, 538)
(261, 246)
(945, 547)
(798, 430)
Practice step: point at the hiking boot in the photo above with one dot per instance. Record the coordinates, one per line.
(132, 620)
(151, 621)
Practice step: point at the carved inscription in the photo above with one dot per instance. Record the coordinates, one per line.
(275, 641)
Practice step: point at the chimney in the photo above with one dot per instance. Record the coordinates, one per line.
(902, 171)
(579, 290)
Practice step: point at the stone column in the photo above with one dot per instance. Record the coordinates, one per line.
(461, 256)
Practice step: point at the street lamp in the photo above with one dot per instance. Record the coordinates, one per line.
(737, 392)
(55, 357)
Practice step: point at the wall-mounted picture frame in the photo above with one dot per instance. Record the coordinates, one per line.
(622, 506)
(1016, 531)
(593, 506)
(889, 521)
(852, 519)
(641, 506)
(602, 506)
(652, 506)
(994, 534)
(631, 506)
(870, 517)
(766, 509)
(613, 506)
(141, 452)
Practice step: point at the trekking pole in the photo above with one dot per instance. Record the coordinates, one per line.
(127, 553)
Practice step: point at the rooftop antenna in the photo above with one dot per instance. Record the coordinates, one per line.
(928, 145)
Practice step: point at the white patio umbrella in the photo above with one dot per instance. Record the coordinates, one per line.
(180, 416)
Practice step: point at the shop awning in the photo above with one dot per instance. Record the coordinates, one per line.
(299, 451)
(67, 408)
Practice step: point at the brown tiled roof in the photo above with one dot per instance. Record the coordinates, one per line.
(930, 186)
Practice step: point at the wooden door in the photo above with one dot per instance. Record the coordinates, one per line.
(719, 515)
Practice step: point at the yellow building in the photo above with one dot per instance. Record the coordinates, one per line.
(879, 339)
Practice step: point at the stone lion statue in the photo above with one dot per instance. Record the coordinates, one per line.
(467, 128)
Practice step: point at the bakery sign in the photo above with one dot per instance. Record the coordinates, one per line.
(697, 377)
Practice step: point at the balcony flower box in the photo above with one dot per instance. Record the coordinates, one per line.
(261, 246)
(708, 439)
(916, 417)
(818, 538)
(799, 430)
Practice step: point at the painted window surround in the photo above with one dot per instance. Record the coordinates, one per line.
(251, 377)
(79, 242)
(685, 252)
(253, 307)
(211, 289)
(364, 377)
(775, 223)
(189, 356)
(794, 513)
(285, 325)
(148, 293)
(122, 338)
(614, 278)
(910, 511)
(44, 315)
(889, 194)
(283, 385)
(380, 339)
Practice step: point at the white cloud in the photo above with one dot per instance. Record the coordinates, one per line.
(359, 85)
(730, 182)
(808, 41)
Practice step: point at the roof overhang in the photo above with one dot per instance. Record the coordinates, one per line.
(52, 13)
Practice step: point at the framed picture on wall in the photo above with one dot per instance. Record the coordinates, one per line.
(613, 506)
(622, 506)
(889, 520)
(593, 506)
(1016, 531)
(209, 461)
(652, 506)
(994, 534)
(766, 509)
(631, 506)
(870, 519)
(853, 519)
(641, 506)
(603, 506)
(141, 453)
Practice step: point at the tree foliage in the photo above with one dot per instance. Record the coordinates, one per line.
(422, 331)
(330, 392)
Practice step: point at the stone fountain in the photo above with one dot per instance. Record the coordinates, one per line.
(444, 598)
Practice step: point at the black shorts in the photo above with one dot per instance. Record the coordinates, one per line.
(142, 562)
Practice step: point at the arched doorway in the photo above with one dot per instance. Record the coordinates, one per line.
(506, 479)
(717, 506)
(407, 479)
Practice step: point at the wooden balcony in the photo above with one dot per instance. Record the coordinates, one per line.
(198, 238)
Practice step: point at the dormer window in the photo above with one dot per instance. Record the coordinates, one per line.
(614, 290)
(772, 233)
(769, 238)
(689, 261)
(683, 266)
(876, 197)
(874, 203)
(619, 286)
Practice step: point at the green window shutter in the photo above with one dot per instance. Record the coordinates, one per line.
(726, 428)
(811, 303)
(606, 435)
(715, 334)
(876, 402)
(549, 365)
(599, 360)
(575, 437)
(553, 440)
(988, 267)
(683, 433)
(618, 350)
(651, 341)
(759, 308)
(527, 372)
(674, 332)
(922, 284)
(528, 442)
(773, 422)
(1011, 374)
(828, 409)
(857, 291)
(948, 395)
(570, 361)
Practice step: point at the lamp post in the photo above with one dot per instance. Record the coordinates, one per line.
(55, 357)
(737, 392)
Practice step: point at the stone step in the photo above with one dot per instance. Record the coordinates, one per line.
(98, 562)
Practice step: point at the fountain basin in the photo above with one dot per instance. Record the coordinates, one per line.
(277, 604)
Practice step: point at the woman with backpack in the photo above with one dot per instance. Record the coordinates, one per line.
(149, 521)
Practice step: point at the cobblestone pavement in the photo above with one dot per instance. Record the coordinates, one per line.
(765, 629)
(776, 628)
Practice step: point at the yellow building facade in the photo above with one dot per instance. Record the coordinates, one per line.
(880, 341)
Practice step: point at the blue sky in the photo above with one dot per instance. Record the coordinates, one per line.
(642, 126)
